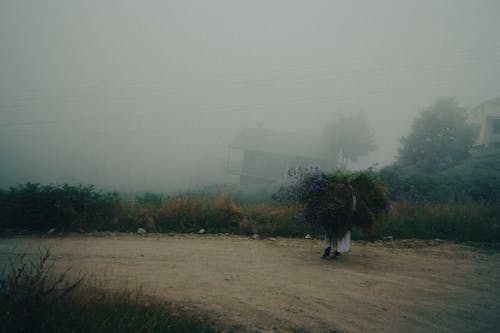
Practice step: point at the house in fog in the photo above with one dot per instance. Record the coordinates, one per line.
(488, 116)
(261, 156)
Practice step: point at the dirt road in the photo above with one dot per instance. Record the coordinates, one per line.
(283, 286)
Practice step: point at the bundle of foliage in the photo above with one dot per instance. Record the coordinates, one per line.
(336, 201)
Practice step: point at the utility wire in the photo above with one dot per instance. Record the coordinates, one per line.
(391, 62)
(279, 70)
(224, 109)
(382, 71)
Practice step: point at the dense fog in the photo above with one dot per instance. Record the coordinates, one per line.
(147, 95)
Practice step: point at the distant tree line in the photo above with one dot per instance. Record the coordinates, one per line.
(439, 162)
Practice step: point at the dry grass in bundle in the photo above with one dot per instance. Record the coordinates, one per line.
(372, 202)
(337, 201)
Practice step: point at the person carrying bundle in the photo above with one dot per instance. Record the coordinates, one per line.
(337, 202)
(340, 244)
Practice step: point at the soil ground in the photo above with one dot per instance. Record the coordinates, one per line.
(281, 285)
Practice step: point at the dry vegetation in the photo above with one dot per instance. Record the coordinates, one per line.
(36, 298)
(36, 208)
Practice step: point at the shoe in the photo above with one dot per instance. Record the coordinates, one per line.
(337, 254)
(326, 254)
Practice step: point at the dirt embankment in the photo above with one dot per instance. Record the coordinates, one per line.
(282, 286)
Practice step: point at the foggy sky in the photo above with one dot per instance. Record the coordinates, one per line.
(147, 95)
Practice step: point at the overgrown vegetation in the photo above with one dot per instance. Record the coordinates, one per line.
(33, 298)
(81, 208)
(417, 212)
(36, 207)
(475, 180)
(452, 221)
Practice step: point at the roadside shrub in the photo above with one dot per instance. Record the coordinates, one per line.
(275, 220)
(144, 211)
(130, 216)
(223, 215)
(180, 214)
(185, 213)
(36, 207)
(475, 180)
(455, 222)
(28, 288)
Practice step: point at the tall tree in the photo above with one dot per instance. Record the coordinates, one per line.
(440, 137)
(350, 137)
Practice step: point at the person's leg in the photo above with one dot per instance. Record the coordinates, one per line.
(337, 246)
(343, 244)
(328, 245)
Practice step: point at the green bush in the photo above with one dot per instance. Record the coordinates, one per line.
(475, 180)
(455, 222)
(37, 207)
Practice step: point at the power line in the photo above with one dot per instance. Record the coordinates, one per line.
(278, 70)
(342, 75)
(226, 109)
(391, 61)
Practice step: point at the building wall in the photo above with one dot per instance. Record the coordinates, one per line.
(264, 164)
(490, 124)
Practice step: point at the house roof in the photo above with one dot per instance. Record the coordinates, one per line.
(490, 107)
(492, 101)
(284, 143)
